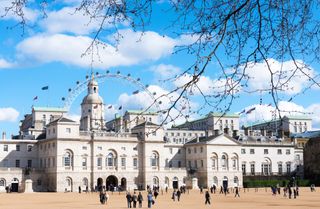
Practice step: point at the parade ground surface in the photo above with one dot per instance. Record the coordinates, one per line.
(193, 200)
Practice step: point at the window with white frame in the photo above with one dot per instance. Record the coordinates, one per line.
(123, 162)
(135, 163)
(111, 160)
(154, 159)
(67, 159)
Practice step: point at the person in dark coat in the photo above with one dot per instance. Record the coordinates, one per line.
(140, 199)
(207, 197)
(129, 199)
(134, 200)
(178, 195)
(237, 192)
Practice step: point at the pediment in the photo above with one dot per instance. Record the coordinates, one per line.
(222, 140)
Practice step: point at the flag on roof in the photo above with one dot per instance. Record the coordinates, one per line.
(110, 106)
(135, 92)
(45, 88)
(35, 98)
(250, 110)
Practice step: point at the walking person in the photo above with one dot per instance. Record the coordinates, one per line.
(134, 200)
(140, 199)
(129, 199)
(178, 195)
(155, 193)
(237, 192)
(150, 200)
(207, 197)
(174, 195)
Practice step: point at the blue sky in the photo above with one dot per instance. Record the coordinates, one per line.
(49, 53)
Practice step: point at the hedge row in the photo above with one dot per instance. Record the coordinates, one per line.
(269, 183)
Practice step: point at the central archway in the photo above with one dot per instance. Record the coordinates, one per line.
(111, 183)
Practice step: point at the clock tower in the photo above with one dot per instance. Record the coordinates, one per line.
(92, 108)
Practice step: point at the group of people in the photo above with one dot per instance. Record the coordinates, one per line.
(133, 199)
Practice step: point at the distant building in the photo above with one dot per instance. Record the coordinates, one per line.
(215, 123)
(285, 127)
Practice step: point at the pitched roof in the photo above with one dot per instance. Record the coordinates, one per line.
(210, 138)
(145, 124)
(62, 119)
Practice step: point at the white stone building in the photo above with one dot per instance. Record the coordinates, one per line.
(59, 154)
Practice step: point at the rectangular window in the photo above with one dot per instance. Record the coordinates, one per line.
(5, 148)
(279, 151)
(53, 162)
(243, 167)
(201, 163)
(201, 149)
(195, 150)
(179, 151)
(29, 148)
(99, 148)
(195, 164)
(251, 151)
(18, 147)
(288, 168)
(243, 151)
(17, 163)
(68, 130)
(279, 168)
(189, 163)
(170, 150)
(252, 169)
(287, 151)
(84, 162)
(179, 164)
(84, 147)
(99, 161)
(266, 151)
(123, 162)
(135, 163)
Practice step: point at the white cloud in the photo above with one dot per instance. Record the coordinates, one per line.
(143, 100)
(8, 114)
(46, 48)
(264, 113)
(207, 85)
(260, 76)
(5, 64)
(164, 71)
(69, 20)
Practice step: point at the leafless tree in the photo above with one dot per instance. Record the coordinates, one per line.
(235, 34)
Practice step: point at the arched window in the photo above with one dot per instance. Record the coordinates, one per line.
(111, 160)
(85, 182)
(2, 183)
(154, 159)
(155, 181)
(67, 159)
(224, 161)
(236, 181)
(215, 181)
